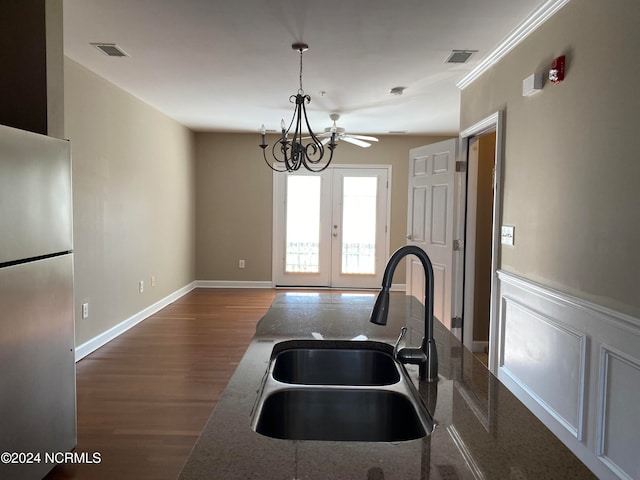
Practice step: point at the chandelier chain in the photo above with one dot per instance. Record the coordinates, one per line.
(300, 90)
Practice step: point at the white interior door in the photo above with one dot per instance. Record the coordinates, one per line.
(430, 222)
(330, 228)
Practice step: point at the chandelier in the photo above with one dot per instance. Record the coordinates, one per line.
(290, 152)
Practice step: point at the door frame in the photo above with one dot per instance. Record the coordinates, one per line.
(277, 216)
(494, 122)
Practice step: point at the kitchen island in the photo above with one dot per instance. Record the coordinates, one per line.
(482, 430)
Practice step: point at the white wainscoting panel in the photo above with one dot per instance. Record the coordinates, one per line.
(534, 346)
(619, 412)
(576, 365)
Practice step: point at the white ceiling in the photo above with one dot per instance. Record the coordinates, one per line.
(229, 66)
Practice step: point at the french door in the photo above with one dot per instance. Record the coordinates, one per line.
(330, 228)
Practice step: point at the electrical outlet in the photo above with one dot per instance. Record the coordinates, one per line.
(153, 280)
(240, 263)
(141, 286)
(85, 310)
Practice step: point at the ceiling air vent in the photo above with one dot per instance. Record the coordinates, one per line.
(460, 56)
(110, 49)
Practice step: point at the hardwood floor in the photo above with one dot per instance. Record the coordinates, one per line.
(143, 399)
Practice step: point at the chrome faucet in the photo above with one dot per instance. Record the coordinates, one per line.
(426, 356)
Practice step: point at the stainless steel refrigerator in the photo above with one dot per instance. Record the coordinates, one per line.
(37, 365)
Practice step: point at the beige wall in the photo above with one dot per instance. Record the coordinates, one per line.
(571, 165)
(134, 201)
(234, 198)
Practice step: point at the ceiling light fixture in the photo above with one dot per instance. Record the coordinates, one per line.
(289, 155)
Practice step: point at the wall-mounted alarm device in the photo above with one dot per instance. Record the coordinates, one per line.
(556, 73)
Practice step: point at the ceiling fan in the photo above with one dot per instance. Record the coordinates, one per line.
(359, 140)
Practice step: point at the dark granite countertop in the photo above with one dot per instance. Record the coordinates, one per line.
(482, 432)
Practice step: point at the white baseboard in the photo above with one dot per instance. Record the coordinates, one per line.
(233, 284)
(396, 287)
(105, 337)
(479, 346)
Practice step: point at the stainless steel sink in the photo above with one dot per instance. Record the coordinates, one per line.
(338, 391)
(336, 363)
(340, 415)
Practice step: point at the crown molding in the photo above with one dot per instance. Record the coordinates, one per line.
(522, 31)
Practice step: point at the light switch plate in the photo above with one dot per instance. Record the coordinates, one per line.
(507, 234)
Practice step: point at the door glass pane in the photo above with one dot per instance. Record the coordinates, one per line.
(359, 225)
(303, 224)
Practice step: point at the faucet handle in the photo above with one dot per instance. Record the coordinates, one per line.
(403, 331)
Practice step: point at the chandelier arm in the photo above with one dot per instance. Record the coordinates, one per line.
(314, 153)
(289, 160)
(314, 168)
(282, 153)
(264, 154)
(277, 147)
(298, 152)
(301, 149)
(316, 144)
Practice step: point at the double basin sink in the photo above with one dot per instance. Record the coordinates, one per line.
(338, 391)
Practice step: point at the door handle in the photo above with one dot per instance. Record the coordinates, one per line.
(409, 236)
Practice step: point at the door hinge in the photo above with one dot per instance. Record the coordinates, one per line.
(461, 166)
(456, 322)
(458, 245)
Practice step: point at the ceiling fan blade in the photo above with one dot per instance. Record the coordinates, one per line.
(355, 141)
(364, 137)
(320, 135)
